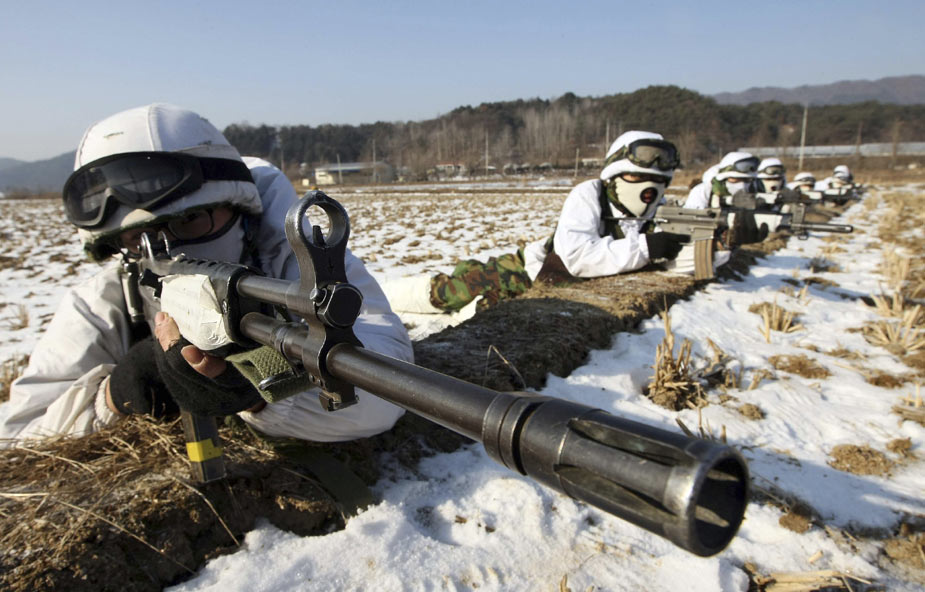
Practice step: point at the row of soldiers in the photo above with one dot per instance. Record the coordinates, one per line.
(609, 226)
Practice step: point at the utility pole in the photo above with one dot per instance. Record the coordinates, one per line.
(282, 161)
(803, 135)
(607, 138)
(375, 175)
(577, 150)
(340, 176)
(486, 152)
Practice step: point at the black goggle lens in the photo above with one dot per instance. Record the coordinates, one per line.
(141, 180)
(773, 170)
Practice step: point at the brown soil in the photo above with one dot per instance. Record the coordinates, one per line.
(751, 411)
(799, 364)
(860, 460)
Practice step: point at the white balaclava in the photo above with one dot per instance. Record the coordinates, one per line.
(729, 176)
(639, 199)
(771, 181)
(163, 128)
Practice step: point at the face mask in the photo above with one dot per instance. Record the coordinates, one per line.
(772, 184)
(227, 246)
(639, 198)
(733, 187)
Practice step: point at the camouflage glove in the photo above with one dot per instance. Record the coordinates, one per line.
(664, 245)
(135, 385)
(227, 393)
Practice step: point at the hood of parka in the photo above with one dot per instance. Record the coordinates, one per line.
(161, 127)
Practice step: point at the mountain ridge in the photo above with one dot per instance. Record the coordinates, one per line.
(897, 90)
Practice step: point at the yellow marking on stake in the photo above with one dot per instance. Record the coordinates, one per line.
(203, 450)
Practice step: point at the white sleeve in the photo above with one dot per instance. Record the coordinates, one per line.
(699, 197)
(58, 394)
(584, 252)
(534, 257)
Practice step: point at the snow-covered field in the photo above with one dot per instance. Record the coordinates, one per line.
(462, 522)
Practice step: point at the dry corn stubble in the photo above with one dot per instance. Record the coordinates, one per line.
(673, 385)
(897, 337)
(775, 318)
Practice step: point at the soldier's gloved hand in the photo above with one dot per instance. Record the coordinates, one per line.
(199, 383)
(135, 385)
(665, 245)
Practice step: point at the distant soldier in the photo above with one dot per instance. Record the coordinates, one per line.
(841, 177)
(771, 175)
(604, 229)
(737, 170)
(803, 181)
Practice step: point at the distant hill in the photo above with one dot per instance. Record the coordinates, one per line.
(6, 163)
(40, 176)
(897, 90)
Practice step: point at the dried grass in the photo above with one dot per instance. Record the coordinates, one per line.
(9, 371)
(896, 269)
(897, 337)
(674, 385)
(19, 320)
(799, 364)
(821, 265)
(757, 377)
(896, 305)
(860, 460)
(911, 408)
(718, 372)
(775, 318)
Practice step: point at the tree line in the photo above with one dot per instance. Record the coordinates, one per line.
(565, 129)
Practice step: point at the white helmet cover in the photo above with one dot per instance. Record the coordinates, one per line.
(803, 178)
(162, 128)
(730, 159)
(842, 172)
(769, 162)
(624, 165)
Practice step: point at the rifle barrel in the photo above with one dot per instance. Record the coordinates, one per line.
(691, 491)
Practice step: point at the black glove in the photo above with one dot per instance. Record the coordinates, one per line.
(135, 384)
(664, 245)
(227, 393)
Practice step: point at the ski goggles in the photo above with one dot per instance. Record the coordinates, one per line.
(747, 166)
(141, 180)
(648, 154)
(773, 170)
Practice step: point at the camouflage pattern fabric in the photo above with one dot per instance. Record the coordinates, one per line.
(498, 278)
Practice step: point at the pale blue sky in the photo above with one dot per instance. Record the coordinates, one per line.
(66, 64)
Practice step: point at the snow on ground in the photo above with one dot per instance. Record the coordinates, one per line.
(461, 522)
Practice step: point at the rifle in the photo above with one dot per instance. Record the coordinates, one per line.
(691, 491)
(727, 226)
(795, 222)
(783, 210)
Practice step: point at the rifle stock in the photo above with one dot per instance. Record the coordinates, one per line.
(691, 491)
